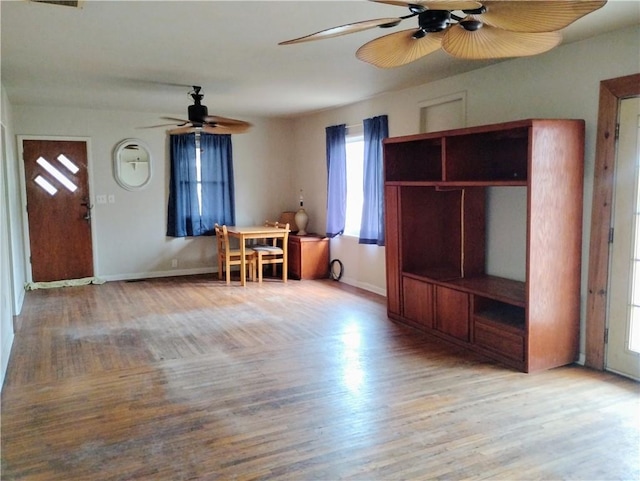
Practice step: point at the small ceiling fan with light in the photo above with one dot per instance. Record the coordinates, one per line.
(465, 29)
(199, 119)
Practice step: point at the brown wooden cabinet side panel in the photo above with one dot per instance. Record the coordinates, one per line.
(392, 248)
(555, 241)
(293, 259)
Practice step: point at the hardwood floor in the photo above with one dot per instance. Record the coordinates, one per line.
(188, 378)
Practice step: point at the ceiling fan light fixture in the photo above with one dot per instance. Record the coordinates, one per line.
(420, 33)
(471, 25)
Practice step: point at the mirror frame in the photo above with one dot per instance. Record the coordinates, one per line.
(117, 172)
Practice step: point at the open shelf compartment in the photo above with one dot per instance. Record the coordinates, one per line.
(415, 161)
(509, 316)
(442, 232)
(487, 157)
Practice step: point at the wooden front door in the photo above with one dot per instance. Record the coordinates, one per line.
(59, 209)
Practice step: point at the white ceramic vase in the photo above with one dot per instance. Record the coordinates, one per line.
(302, 219)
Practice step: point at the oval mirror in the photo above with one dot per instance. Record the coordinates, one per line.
(132, 164)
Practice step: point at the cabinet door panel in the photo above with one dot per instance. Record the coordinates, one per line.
(452, 312)
(418, 301)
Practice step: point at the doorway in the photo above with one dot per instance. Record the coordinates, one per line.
(611, 93)
(623, 319)
(58, 209)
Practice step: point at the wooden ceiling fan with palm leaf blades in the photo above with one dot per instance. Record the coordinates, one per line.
(474, 30)
(199, 119)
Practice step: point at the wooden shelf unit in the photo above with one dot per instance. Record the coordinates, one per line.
(435, 200)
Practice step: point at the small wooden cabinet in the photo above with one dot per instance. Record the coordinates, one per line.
(308, 256)
(435, 202)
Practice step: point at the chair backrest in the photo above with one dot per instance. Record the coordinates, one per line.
(222, 237)
(286, 234)
(270, 223)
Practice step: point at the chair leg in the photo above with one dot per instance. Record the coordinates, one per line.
(259, 267)
(220, 268)
(251, 266)
(227, 269)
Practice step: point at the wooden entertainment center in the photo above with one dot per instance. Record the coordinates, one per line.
(435, 201)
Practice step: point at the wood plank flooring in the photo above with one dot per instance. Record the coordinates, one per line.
(189, 379)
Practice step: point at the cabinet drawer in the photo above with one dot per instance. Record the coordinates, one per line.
(502, 342)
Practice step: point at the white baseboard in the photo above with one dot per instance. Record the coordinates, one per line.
(149, 275)
(364, 285)
(19, 302)
(7, 343)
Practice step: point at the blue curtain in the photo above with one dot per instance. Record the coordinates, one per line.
(218, 194)
(336, 179)
(183, 211)
(187, 215)
(372, 225)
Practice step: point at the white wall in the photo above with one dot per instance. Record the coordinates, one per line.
(12, 257)
(563, 83)
(129, 235)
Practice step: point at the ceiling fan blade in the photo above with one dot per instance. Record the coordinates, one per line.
(490, 43)
(232, 128)
(209, 129)
(218, 120)
(538, 16)
(435, 4)
(156, 126)
(176, 120)
(345, 29)
(399, 48)
(183, 130)
(227, 129)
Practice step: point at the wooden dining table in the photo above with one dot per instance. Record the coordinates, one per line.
(243, 234)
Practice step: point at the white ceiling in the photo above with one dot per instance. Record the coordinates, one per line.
(144, 55)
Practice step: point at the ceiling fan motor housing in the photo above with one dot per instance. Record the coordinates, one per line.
(197, 113)
(434, 20)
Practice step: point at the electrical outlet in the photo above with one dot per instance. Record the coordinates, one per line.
(174, 262)
(112, 199)
(101, 199)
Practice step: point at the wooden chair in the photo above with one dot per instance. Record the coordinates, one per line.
(275, 252)
(228, 256)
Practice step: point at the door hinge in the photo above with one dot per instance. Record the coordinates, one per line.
(610, 235)
(606, 335)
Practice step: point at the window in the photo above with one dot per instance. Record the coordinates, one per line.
(201, 189)
(355, 181)
(355, 169)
